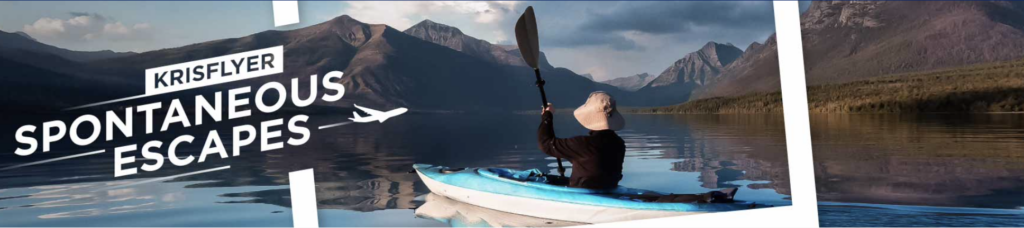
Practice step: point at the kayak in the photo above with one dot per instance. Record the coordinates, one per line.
(506, 190)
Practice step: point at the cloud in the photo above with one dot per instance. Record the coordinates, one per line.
(678, 17)
(85, 27)
(45, 27)
(402, 15)
(88, 15)
(614, 40)
(485, 12)
(619, 26)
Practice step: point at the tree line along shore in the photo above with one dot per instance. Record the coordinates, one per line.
(989, 87)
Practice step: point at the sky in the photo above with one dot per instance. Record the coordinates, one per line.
(605, 39)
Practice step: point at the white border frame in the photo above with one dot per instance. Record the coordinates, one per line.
(804, 212)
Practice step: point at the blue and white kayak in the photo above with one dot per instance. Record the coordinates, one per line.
(499, 189)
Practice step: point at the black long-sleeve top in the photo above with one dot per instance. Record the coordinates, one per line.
(596, 158)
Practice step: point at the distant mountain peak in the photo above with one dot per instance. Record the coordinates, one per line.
(22, 41)
(697, 69)
(428, 22)
(643, 75)
(588, 76)
(713, 44)
(25, 35)
(752, 46)
(724, 54)
(345, 18)
(343, 22)
(452, 37)
(630, 83)
(437, 28)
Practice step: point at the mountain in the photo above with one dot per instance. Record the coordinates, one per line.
(757, 70)
(20, 40)
(852, 40)
(750, 84)
(700, 66)
(588, 76)
(25, 35)
(453, 38)
(630, 83)
(676, 84)
(27, 88)
(427, 67)
(383, 68)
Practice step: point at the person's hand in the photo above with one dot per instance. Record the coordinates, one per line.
(550, 108)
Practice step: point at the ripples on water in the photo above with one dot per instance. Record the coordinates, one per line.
(963, 161)
(838, 215)
(362, 171)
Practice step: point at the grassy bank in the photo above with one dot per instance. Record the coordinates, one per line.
(995, 87)
(750, 103)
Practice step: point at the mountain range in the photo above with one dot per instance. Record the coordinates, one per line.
(755, 71)
(631, 83)
(453, 38)
(45, 77)
(428, 67)
(852, 41)
(715, 70)
(22, 41)
(432, 66)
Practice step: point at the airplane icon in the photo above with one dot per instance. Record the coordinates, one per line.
(375, 115)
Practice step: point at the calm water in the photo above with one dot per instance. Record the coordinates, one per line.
(920, 170)
(362, 177)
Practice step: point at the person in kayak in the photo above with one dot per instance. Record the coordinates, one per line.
(598, 156)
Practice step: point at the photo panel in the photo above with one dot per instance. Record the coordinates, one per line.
(915, 111)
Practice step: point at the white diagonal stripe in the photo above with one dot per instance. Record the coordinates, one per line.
(164, 178)
(303, 194)
(334, 125)
(286, 13)
(53, 160)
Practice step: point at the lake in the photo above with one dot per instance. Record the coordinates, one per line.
(919, 169)
(362, 171)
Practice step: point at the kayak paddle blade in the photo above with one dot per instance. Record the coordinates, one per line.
(526, 37)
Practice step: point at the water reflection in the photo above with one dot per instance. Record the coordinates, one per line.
(458, 214)
(365, 168)
(973, 160)
(729, 148)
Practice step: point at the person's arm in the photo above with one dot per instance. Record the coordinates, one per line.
(568, 148)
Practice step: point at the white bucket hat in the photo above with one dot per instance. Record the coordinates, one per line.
(599, 113)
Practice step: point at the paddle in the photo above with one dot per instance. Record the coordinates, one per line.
(526, 37)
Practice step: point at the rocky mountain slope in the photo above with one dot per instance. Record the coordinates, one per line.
(698, 67)
(716, 70)
(679, 82)
(756, 71)
(852, 40)
(453, 38)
